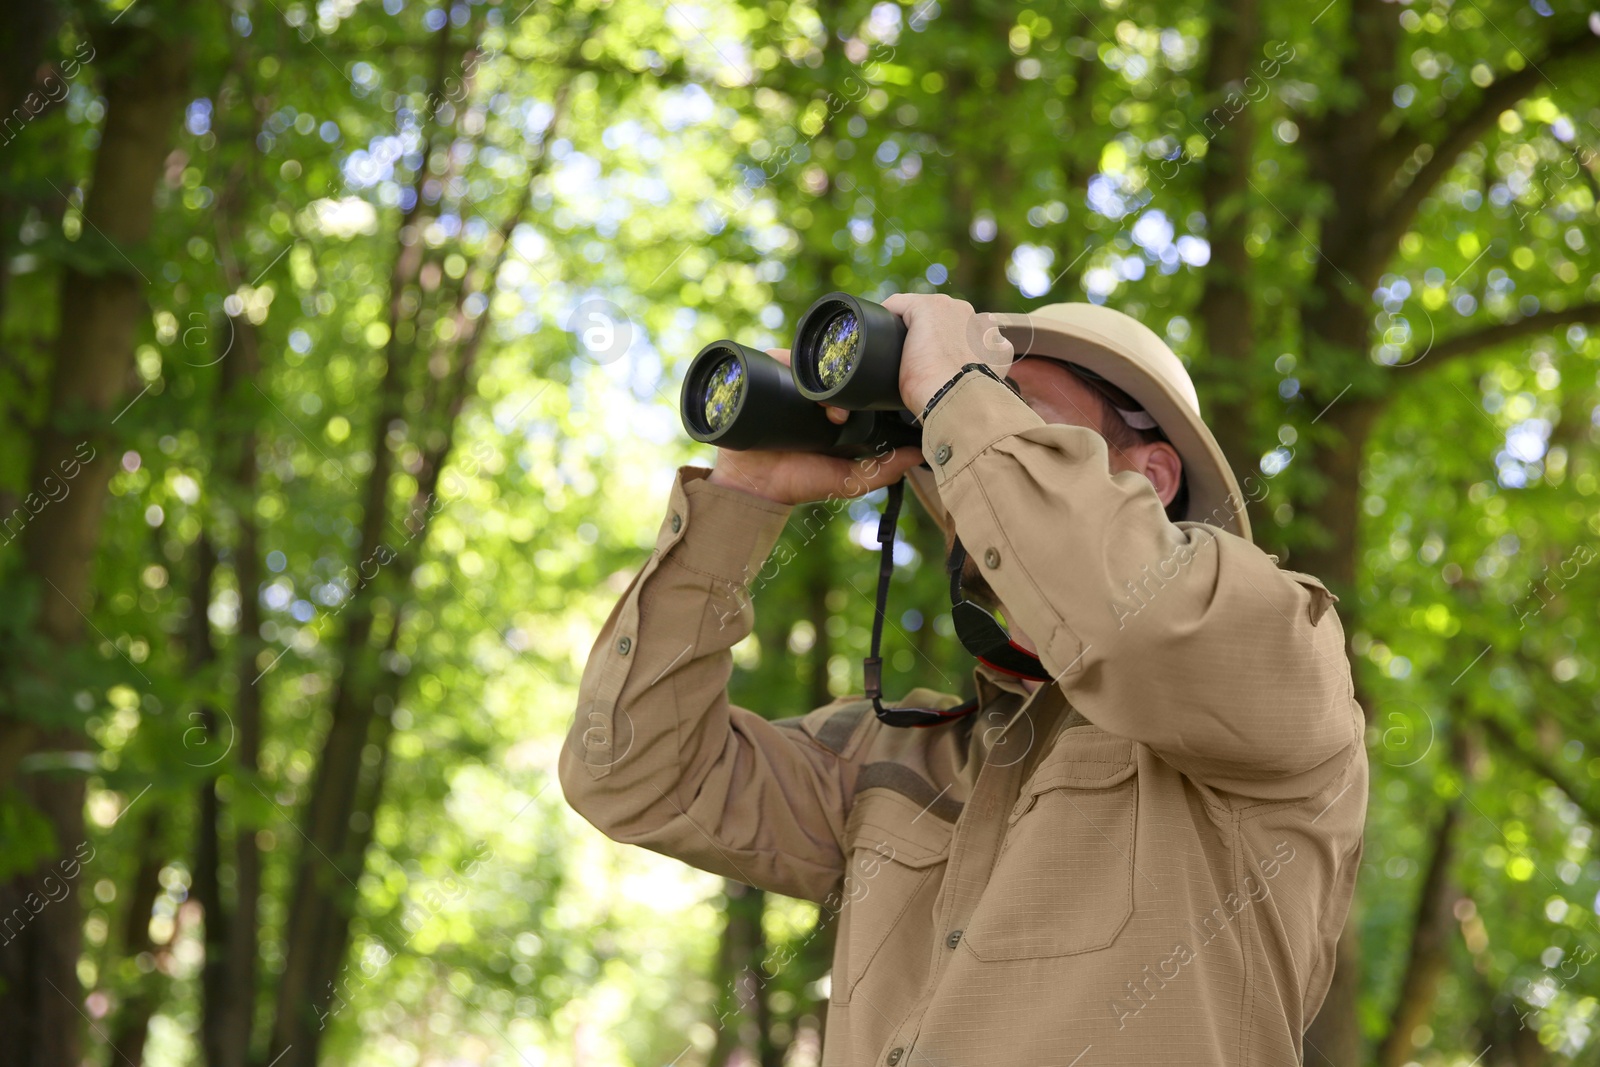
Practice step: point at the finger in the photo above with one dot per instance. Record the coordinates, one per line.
(779, 354)
(837, 416)
(899, 303)
(865, 475)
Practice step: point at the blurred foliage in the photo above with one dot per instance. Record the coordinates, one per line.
(704, 170)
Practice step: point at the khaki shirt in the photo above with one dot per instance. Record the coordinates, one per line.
(1147, 862)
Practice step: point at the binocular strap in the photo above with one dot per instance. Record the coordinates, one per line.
(872, 666)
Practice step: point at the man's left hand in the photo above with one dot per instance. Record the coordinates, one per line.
(942, 335)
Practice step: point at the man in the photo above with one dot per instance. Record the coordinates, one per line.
(1147, 859)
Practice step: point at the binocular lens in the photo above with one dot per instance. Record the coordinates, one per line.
(846, 354)
(724, 390)
(738, 397)
(838, 349)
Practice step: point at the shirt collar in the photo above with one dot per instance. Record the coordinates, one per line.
(990, 683)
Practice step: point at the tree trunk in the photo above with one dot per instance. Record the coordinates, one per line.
(229, 984)
(1429, 957)
(25, 34)
(228, 981)
(744, 1037)
(39, 1003)
(1226, 310)
(338, 818)
(132, 1025)
(323, 890)
(1336, 336)
(40, 1021)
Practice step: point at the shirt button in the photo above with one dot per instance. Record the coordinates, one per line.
(954, 939)
(894, 1056)
(942, 455)
(991, 558)
(677, 522)
(625, 645)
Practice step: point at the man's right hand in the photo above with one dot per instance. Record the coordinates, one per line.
(800, 477)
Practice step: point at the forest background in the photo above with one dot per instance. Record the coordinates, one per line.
(339, 350)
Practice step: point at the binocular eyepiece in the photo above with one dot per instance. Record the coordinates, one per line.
(846, 353)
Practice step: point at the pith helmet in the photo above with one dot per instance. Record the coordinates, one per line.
(1129, 355)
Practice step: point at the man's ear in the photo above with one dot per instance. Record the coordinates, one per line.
(1160, 463)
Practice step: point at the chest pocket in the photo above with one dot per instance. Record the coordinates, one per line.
(897, 852)
(1063, 881)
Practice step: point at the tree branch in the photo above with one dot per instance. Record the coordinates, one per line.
(1499, 333)
(1463, 130)
(1538, 764)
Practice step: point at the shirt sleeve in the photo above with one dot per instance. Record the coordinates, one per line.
(1181, 636)
(658, 757)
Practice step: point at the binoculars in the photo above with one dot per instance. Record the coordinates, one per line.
(846, 353)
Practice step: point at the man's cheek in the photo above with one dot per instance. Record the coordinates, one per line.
(976, 588)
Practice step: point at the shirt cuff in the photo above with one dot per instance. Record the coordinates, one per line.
(720, 532)
(972, 416)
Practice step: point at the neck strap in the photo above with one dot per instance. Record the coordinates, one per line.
(872, 666)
